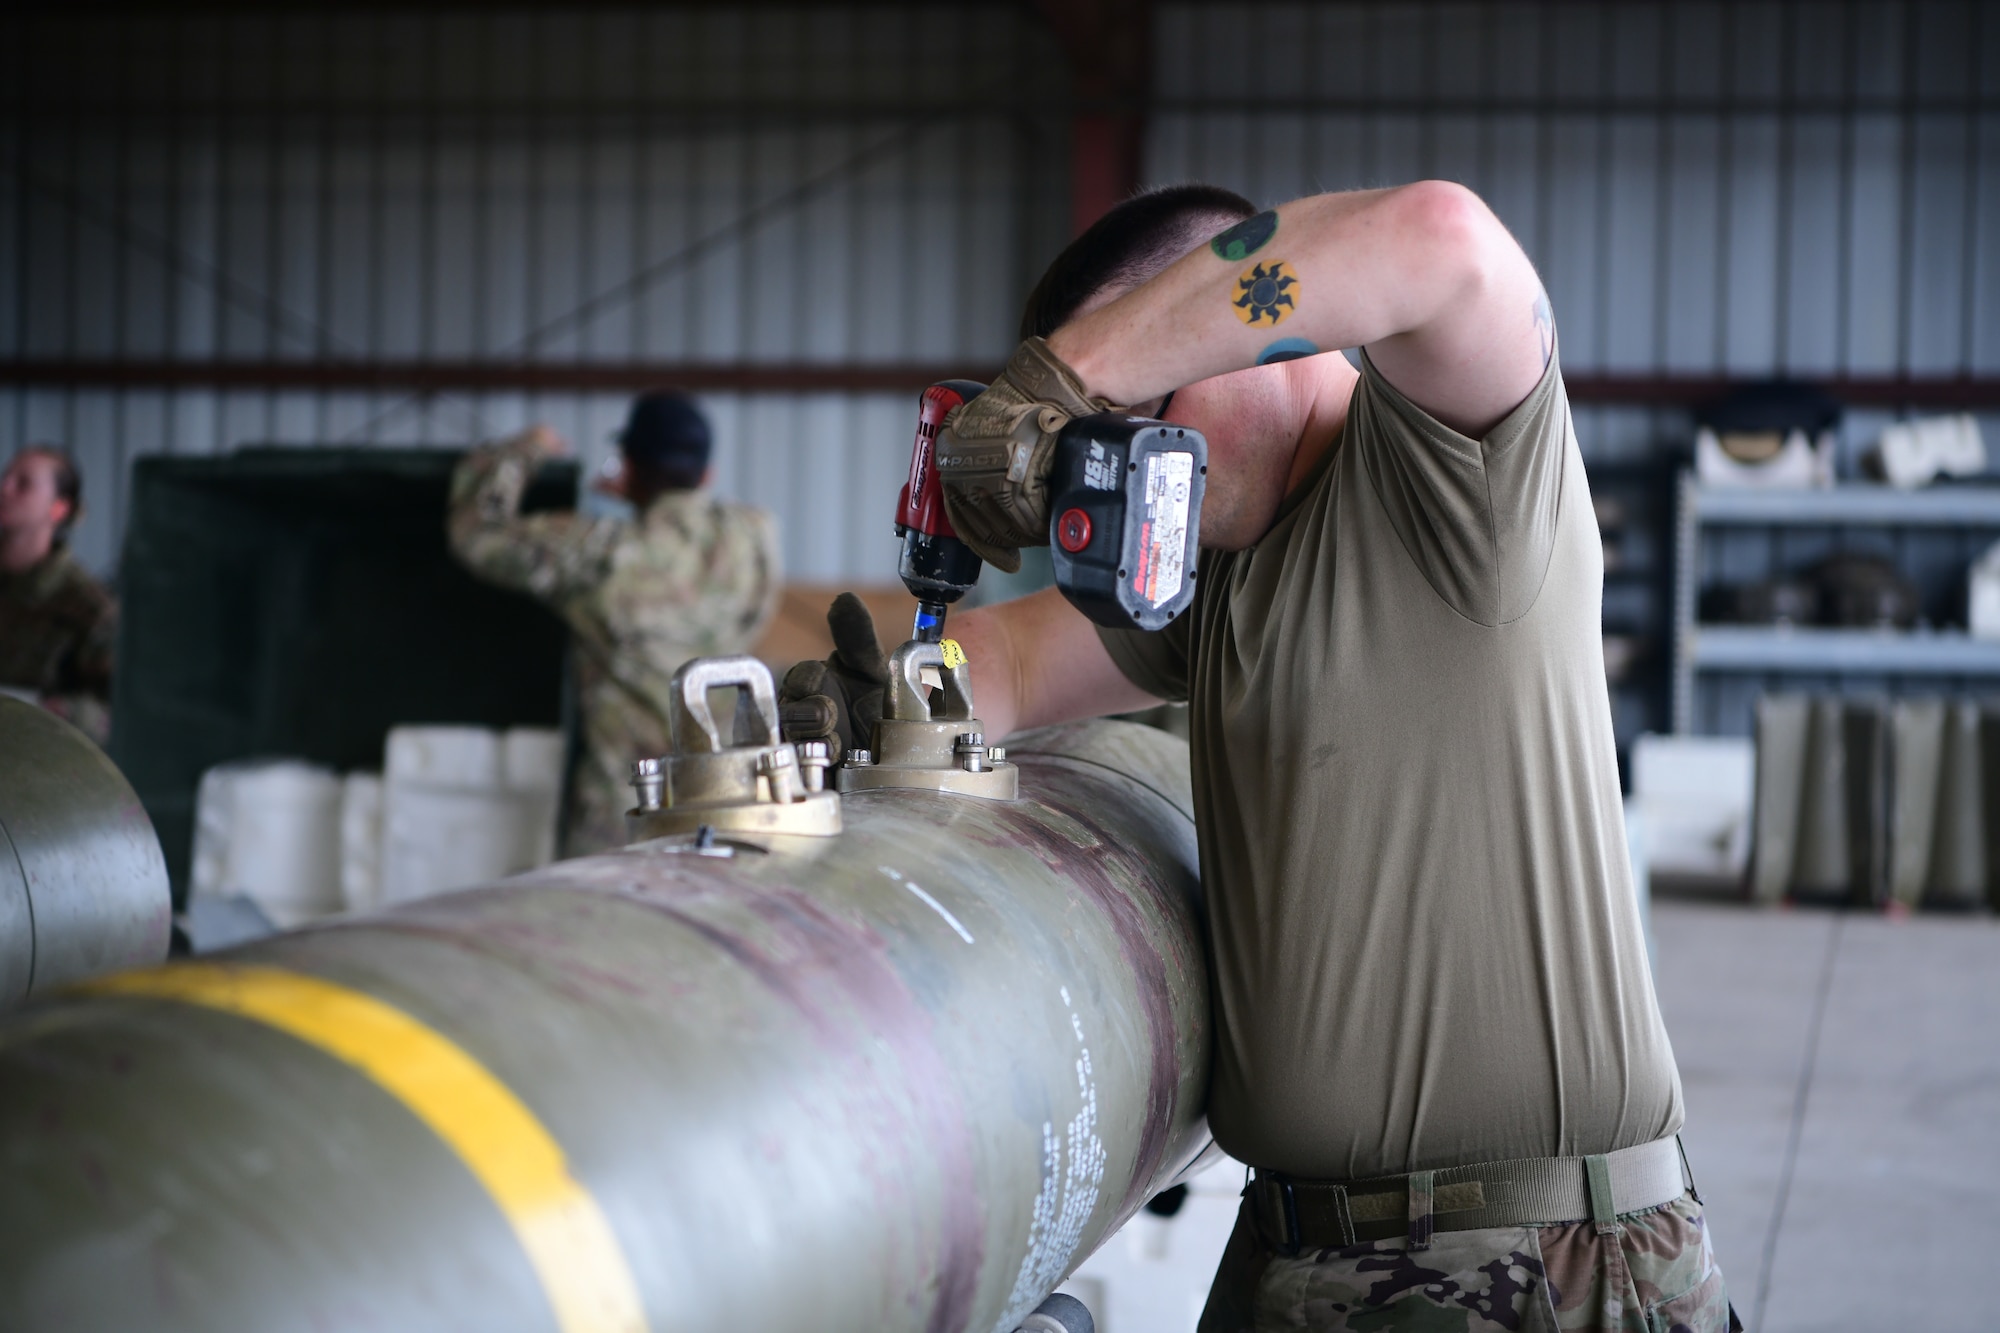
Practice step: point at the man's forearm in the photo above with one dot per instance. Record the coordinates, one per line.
(1423, 275)
(1037, 661)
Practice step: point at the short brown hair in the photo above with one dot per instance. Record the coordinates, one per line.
(1128, 245)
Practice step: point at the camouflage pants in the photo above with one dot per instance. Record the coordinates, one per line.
(1654, 1274)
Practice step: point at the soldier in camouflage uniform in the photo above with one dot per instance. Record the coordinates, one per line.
(688, 576)
(58, 626)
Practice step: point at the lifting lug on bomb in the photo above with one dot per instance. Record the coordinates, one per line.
(766, 786)
(942, 749)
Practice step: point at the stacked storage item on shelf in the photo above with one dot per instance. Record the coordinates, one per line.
(1874, 802)
(1788, 579)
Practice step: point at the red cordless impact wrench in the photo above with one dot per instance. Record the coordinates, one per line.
(1125, 518)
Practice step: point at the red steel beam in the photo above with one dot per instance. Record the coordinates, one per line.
(430, 376)
(1109, 46)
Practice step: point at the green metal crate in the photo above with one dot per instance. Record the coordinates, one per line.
(301, 602)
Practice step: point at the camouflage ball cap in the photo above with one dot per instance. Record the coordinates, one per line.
(995, 453)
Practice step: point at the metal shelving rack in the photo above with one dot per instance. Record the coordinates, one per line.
(1638, 591)
(1699, 648)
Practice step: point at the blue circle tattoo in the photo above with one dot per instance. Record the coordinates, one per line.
(1286, 349)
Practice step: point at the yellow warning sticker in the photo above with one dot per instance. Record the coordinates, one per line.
(954, 656)
(568, 1239)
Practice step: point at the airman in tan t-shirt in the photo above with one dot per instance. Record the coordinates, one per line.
(1425, 941)
(1437, 1042)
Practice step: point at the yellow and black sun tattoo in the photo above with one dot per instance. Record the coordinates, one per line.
(1265, 291)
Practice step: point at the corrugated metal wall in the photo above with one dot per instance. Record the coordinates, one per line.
(1743, 188)
(773, 185)
(1748, 188)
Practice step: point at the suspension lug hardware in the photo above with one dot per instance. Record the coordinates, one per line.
(971, 751)
(649, 780)
(779, 767)
(813, 763)
(709, 782)
(930, 739)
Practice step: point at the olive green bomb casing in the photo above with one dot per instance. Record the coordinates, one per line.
(905, 1077)
(83, 887)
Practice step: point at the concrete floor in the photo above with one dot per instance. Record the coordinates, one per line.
(1842, 1074)
(1863, 1053)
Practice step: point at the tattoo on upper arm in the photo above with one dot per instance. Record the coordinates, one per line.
(1287, 349)
(1545, 326)
(1266, 291)
(1246, 238)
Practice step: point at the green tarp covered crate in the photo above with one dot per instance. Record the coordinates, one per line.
(301, 602)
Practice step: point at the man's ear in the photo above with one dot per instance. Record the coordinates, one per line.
(62, 512)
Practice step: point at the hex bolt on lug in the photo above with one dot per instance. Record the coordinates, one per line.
(780, 768)
(649, 780)
(814, 757)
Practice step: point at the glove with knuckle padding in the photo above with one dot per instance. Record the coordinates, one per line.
(839, 700)
(995, 452)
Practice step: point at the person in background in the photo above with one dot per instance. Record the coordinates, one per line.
(687, 575)
(58, 625)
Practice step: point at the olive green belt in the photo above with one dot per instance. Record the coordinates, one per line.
(1293, 1215)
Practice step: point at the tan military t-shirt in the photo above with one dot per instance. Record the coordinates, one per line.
(1425, 941)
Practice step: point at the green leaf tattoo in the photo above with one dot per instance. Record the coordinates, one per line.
(1545, 327)
(1247, 237)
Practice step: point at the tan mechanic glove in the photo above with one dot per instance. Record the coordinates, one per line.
(839, 700)
(995, 453)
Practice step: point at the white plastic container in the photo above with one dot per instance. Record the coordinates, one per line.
(461, 757)
(361, 841)
(1915, 453)
(462, 805)
(270, 830)
(1799, 464)
(531, 759)
(1693, 794)
(1982, 611)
